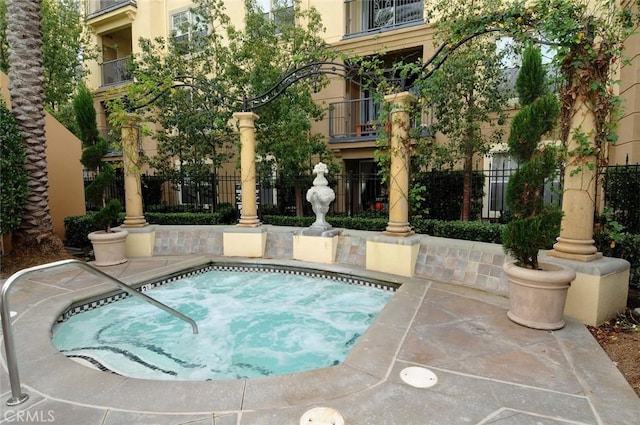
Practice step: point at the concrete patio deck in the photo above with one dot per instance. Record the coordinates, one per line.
(489, 370)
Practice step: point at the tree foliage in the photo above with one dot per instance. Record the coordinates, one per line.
(192, 86)
(468, 104)
(588, 38)
(267, 50)
(65, 45)
(94, 149)
(4, 47)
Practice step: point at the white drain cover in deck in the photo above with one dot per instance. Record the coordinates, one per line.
(322, 416)
(418, 377)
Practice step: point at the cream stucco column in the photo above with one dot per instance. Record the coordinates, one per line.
(398, 224)
(246, 124)
(134, 215)
(578, 199)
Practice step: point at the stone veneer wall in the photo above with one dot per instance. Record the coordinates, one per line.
(468, 263)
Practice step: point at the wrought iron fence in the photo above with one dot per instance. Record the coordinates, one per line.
(620, 194)
(355, 194)
(358, 193)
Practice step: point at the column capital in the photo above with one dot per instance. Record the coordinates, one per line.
(245, 118)
(401, 99)
(130, 119)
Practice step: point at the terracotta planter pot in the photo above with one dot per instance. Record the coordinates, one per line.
(109, 248)
(537, 297)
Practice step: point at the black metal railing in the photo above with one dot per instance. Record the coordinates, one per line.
(116, 71)
(355, 193)
(371, 16)
(94, 8)
(620, 190)
(353, 119)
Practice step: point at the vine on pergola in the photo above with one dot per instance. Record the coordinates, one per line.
(588, 38)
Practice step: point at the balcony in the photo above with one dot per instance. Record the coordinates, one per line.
(94, 8)
(104, 16)
(115, 71)
(353, 120)
(374, 16)
(357, 121)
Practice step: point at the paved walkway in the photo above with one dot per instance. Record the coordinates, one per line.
(488, 369)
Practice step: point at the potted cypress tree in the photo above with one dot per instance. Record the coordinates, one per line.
(108, 244)
(537, 291)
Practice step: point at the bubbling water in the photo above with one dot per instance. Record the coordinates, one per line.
(250, 324)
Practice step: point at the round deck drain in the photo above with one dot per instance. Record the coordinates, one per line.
(321, 416)
(418, 377)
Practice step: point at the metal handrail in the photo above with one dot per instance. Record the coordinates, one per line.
(17, 397)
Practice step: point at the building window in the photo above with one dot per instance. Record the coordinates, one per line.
(188, 31)
(281, 12)
(500, 169)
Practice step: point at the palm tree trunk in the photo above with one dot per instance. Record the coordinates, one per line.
(26, 78)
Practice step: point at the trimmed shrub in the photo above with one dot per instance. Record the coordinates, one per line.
(77, 229)
(621, 183)
(13, 190)
(625, 246)
(534, 225)
(184, 218)
(467, 230)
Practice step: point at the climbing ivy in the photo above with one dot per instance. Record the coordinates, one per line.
(13, 190)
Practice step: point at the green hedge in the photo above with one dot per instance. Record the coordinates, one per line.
(355, 223)
(185, 218)
(470, 230)
(76, 229)
(467, 230)
(626, 246)
(13, 190)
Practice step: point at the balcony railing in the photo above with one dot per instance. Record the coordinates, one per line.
(370, 16)
(97, 7)
(353, 120)
(115, 71)
(358, 120)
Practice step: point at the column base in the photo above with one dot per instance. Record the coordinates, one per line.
(249, 221)
(575, 249)
(134, 221)
(140, 241)
(599, 291)
(390, 254)
(397, 229)
(244, 242)
(316, 249)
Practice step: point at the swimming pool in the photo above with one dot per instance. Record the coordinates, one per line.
(253, 322)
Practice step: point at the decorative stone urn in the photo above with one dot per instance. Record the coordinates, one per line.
(537, 297)
(109, 248)
(318, 243)
(320, 196)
